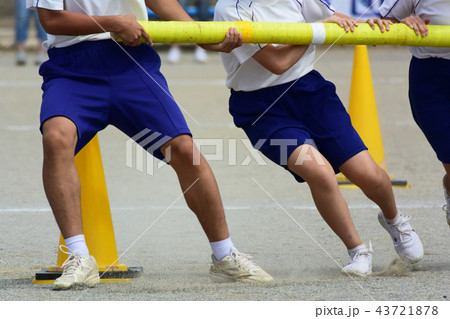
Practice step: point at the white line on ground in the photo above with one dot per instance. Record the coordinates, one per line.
(227, 208)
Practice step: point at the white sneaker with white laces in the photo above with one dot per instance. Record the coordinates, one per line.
(361, 264)
(78, 272)
(237, 267)
(446, 207)
(406, 242)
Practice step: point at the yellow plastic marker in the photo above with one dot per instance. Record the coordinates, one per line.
(364, 116)
(293, 33)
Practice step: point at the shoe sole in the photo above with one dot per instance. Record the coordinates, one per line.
(349, 272)
(386, 227)
(222, 278)
(90, 282)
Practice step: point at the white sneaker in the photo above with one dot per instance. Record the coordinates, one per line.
(21, 58)
(406, 242)
(79, 271)
(200, 55)
(237, 267)
(446, 207)
(361, 264)
(174, 54)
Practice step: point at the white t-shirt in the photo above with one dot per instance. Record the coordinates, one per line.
(244, 73)
(438, 11)
(92, 8)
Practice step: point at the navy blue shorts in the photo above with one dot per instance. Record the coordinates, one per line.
(309, 112)
(96, 83)
(429, 95)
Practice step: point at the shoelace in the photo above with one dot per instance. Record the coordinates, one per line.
(404, 229)
(244, 260)
(445, 208)
(363, 253)
(71, 263)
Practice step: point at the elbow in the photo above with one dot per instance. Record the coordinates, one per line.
(278, 68)
(49, 20)
(50, 26)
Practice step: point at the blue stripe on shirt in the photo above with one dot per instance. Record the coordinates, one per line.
(416, 6)
(237, 10)
(391, 9)
(325, 2)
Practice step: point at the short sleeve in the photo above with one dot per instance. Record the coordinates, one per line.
(237, 13)
(316, 10)
(46, 4)
(398, 9)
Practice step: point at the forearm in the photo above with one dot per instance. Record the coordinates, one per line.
(278, 59)
(393, 20)
(72, 23)
(168, 10)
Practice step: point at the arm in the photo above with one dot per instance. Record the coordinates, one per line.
(172, 10)
(168, 10)
(62, 22)
(279, 59)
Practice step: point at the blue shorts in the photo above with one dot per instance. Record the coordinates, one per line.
(309, 112)
(429, 95)
(96, 83)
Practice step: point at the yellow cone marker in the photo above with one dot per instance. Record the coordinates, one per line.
(97, 221)
(363, 113)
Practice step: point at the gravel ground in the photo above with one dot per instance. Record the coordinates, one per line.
(303, 256)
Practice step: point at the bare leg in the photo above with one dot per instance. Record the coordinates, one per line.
(203, 197)
(362, 171)
(319, 175)
(60, 177)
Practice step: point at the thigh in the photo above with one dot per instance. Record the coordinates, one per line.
(76, 87)
(317, 105)
(143, 106)
(430, 102)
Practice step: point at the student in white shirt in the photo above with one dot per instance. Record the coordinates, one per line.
(429, 76)
(294, 117)
(90, 82)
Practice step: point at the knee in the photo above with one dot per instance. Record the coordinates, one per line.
(325, 179)
(181, 149)
(58, 141)
(374, 179)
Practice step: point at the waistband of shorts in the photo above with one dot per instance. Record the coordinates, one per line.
(82, 46)
(443, 61)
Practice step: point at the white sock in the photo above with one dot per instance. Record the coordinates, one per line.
(358, 249)
(395, 220)
(221, 248)
(77, 243)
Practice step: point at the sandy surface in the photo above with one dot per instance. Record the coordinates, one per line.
(303, 256)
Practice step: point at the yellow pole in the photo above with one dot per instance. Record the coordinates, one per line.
(293, 33)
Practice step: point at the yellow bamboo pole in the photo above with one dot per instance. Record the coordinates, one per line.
(293, 33)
